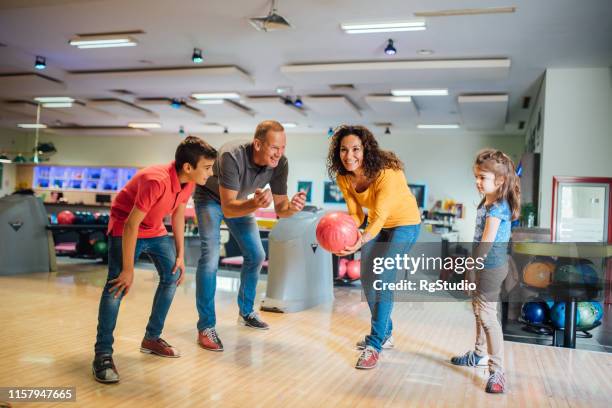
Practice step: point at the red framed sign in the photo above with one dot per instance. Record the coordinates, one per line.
(582, 209)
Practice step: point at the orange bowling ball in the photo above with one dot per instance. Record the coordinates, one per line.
(539, 273)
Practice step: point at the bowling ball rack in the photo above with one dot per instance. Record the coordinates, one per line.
(547, 329)
(570, 293)
(344, 281)
(84, 247)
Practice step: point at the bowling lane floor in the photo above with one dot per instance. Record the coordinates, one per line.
(306, 359)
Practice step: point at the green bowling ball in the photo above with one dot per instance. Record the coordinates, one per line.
(100, 248)
(587, 314)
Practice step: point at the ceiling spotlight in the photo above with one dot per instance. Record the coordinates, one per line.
(387, 131)
(330, 132)
(176, 103)
(225, 131)
(197, 56)
(298, 102)
(19, 159)
(390, 49)
(41, 62)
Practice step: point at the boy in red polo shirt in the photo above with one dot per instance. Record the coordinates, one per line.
(136, 226)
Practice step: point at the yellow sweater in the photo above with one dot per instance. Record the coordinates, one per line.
(388, 199)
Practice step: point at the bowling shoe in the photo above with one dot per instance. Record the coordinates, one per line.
(209, 339)
(368, 358)
(159, 347)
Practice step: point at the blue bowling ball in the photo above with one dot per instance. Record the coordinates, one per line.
(588, 272)
(534, 312)
(557, 315)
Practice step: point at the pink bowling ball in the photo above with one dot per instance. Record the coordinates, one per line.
(336, 231)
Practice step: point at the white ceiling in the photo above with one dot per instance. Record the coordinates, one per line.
(310, 57)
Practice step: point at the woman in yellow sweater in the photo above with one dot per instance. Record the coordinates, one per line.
(374, 179)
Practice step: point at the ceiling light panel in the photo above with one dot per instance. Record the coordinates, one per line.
(483, 111)
(388, 108)
(216, 95)
(32, 125)
(103, 41)
(419, 92)
(274, 106)
(439, 126)
(383, 27)
(332, 106)
(403, 74)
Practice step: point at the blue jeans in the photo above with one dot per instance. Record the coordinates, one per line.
(388, 243)
(162, 252)
(246, 233)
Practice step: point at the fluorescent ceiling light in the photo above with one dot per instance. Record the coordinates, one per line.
(144, 125)
(45, 99)
(218, 95)
(389, 27)
(450, 126)
(103, 41)
(57, 105)
(400, 99)
(289, 125)
(388, 98)
(129, 44)
(419, 92)
(210, 101)
(32, 125)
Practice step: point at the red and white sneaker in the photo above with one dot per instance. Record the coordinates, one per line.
(209, 340)
(368, 358)
(496, 383)
(159, 347)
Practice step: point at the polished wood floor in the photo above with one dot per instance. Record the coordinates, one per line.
(48, 324)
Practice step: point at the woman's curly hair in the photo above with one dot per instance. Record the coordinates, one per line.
(374, 159)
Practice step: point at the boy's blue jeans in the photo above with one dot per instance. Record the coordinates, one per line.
(162, 252)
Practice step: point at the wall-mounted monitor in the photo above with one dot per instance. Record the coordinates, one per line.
(420, 193)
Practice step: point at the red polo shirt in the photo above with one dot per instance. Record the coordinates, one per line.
(156, 191)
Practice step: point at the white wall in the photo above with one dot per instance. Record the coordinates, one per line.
(577, 138)
(12, 142)
(441, 160)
